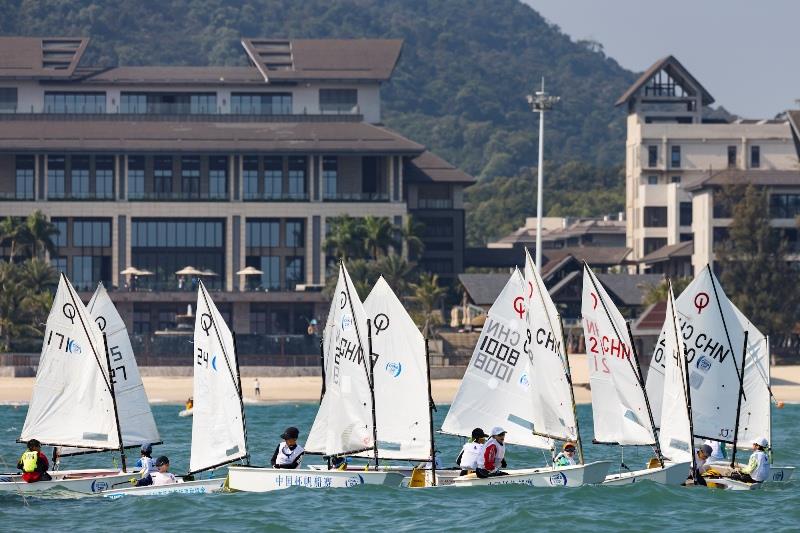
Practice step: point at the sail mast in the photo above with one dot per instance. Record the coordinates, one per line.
(371, 363)
(431, 409)
(568, 374)
(114, 403)
(739, 401)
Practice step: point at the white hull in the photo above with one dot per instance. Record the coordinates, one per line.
(203, 486)
(81, 481)
(255, 479)
(731, 484)
(777, 474)
(185, 412)
(670, 474)
(567, 476)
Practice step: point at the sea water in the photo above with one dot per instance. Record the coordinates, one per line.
(642, 506)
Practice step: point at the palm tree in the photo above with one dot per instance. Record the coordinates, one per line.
(344, 239)
(412, 243)
(39, 233)
(397, 271)
(38, 275)
(378, 235)
(11, 230)
(23, 309)
(428, 296)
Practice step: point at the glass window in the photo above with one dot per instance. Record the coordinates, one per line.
(190, 177)
(133, 103)
(338, 100)
(218, 177)
(79, 177)
(297, 177)
(273, 177)
(250, 177)
(63, 102)
(91, 233)
(686, 214)
(261, 103)
(676, 179)
(651, 244)
(330, 174)
(263, 233)
(135, 177)
(104, 177)
(24, 177)
(176, 234)
(676, 157)
(652, 156)
(162, 175)
(720, 237)
(271, 268)
(294, 271)
(8, 99)
(755, 157)
(784, 205)
(203, 104)
(652, 180)
(655, 217)
(56, 185)
(60, 239)
(88, 270)
(686, 237)
(295, 237)
(732, 156)
(59, 263)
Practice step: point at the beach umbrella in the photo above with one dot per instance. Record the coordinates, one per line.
(208, 272)
(131, 271)
(250, 271)
(145, 273)
(189, 271)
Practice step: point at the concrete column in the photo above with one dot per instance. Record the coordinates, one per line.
(241, 317)
(309, 247)
(115, 268)
(229, 275)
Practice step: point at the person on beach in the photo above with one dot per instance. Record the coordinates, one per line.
(146, 464)
(257, 389)
(162, 475)
(34, 464)
(567, 455)
(468, 458)
(492, 456)
(288, 454)
(757, 469)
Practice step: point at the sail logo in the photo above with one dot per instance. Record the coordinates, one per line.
(347, 322)
(524, 382)
(558, 480)
(99, 486)
(394, 368)
(703, 364)
(73, 347)
(354, 481)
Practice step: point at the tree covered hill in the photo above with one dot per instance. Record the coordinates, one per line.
(459, 88)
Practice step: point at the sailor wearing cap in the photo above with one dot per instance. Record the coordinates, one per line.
(288, 454)
(161, 476)
(146, 464)
(567, 456)
(757, 469)
(491, 458)
(468, 458)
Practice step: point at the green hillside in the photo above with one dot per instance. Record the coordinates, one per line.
(460, 87)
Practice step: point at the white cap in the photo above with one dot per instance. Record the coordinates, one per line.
(761, 441)
(497, 430)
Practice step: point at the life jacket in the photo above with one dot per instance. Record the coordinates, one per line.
(286, 455)
(562, 459)
(469, 456)
(30, 461)
(492, 447)
(163, 478)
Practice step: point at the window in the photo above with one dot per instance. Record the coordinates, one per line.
(686, 237)
(88, 270)
(190, 177)
(263, 233)
(168, 103)
(652, 180)
(686, 214)
(338, 100)
(675, 179)
(55, 176)
(297, 177)
(133, 103)
(79, 177)
(63, 102)
(732, 156)
(330, 173)
(651, 244)
(218, 177)
(294, 271)
(295, 237)
(652, 156)
(203, 104)
(104, 177)
(135, 177)
(261, 103)
(25, 177)
(755, 157)
(655, 217)
(273, 177)
(141, 322)
(250, 177)
(162, 175)
(720, 236)
(59, 263)
(95, 233)
(176, 234)
(784, 205)
(60, 239)
(676, 157)
(271, 268)
(8, 99)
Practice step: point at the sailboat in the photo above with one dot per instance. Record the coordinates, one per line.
(620, 404)
(219, 434)
(345, 424)
(730, 405)
(498, 390)
(73, 403)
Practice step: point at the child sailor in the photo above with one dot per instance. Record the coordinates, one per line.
(288, 454)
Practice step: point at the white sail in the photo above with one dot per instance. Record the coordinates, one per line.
(135, 416)
(755, 414)
(618, 401)
(655, 374)
(401, 378)
(675, 435)
(497, 389)
(71, 403)
(218, 430)
(714, 342)
(553, 412)
(344, 420)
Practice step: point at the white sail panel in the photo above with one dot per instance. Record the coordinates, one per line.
(401, 378)
(553, 412)
(135, 416)
(655, 374)
(218, 432)
(618, 401)
(497, 389)
(344, 421)
(71, 403)
(755, 414)
(714, 342)
(675, 435)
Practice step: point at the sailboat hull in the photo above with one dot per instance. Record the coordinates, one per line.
(255, 479)
(202, 486)
(670, 474)
(568, 476)
(80, 481)
(777, 474)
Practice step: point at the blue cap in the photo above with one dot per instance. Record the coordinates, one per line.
(147, 448)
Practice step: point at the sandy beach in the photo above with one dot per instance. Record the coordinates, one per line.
(785, 386)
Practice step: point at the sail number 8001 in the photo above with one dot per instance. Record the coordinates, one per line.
(496, 359)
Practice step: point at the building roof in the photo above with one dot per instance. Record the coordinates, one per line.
(324, 59)
(483, 288)
(593, 255)
(40, 57)
(670, 251)
(651, 319)
(734, 176)
(675, 69)
(430, 168)
(176, 75)
(157, 136)
(527, 234)
(629, 288)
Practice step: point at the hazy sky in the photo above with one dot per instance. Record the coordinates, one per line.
(745, 53)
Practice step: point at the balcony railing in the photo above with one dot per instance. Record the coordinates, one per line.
(189, 117)
(80, 196)
(9, 196)
(178, 196)
(275, 197)
(435, 203)
(356, 197)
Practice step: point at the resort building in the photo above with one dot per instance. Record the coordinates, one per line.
(219, 168)
(679, 157)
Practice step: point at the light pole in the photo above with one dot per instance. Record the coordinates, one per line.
(540, 102)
